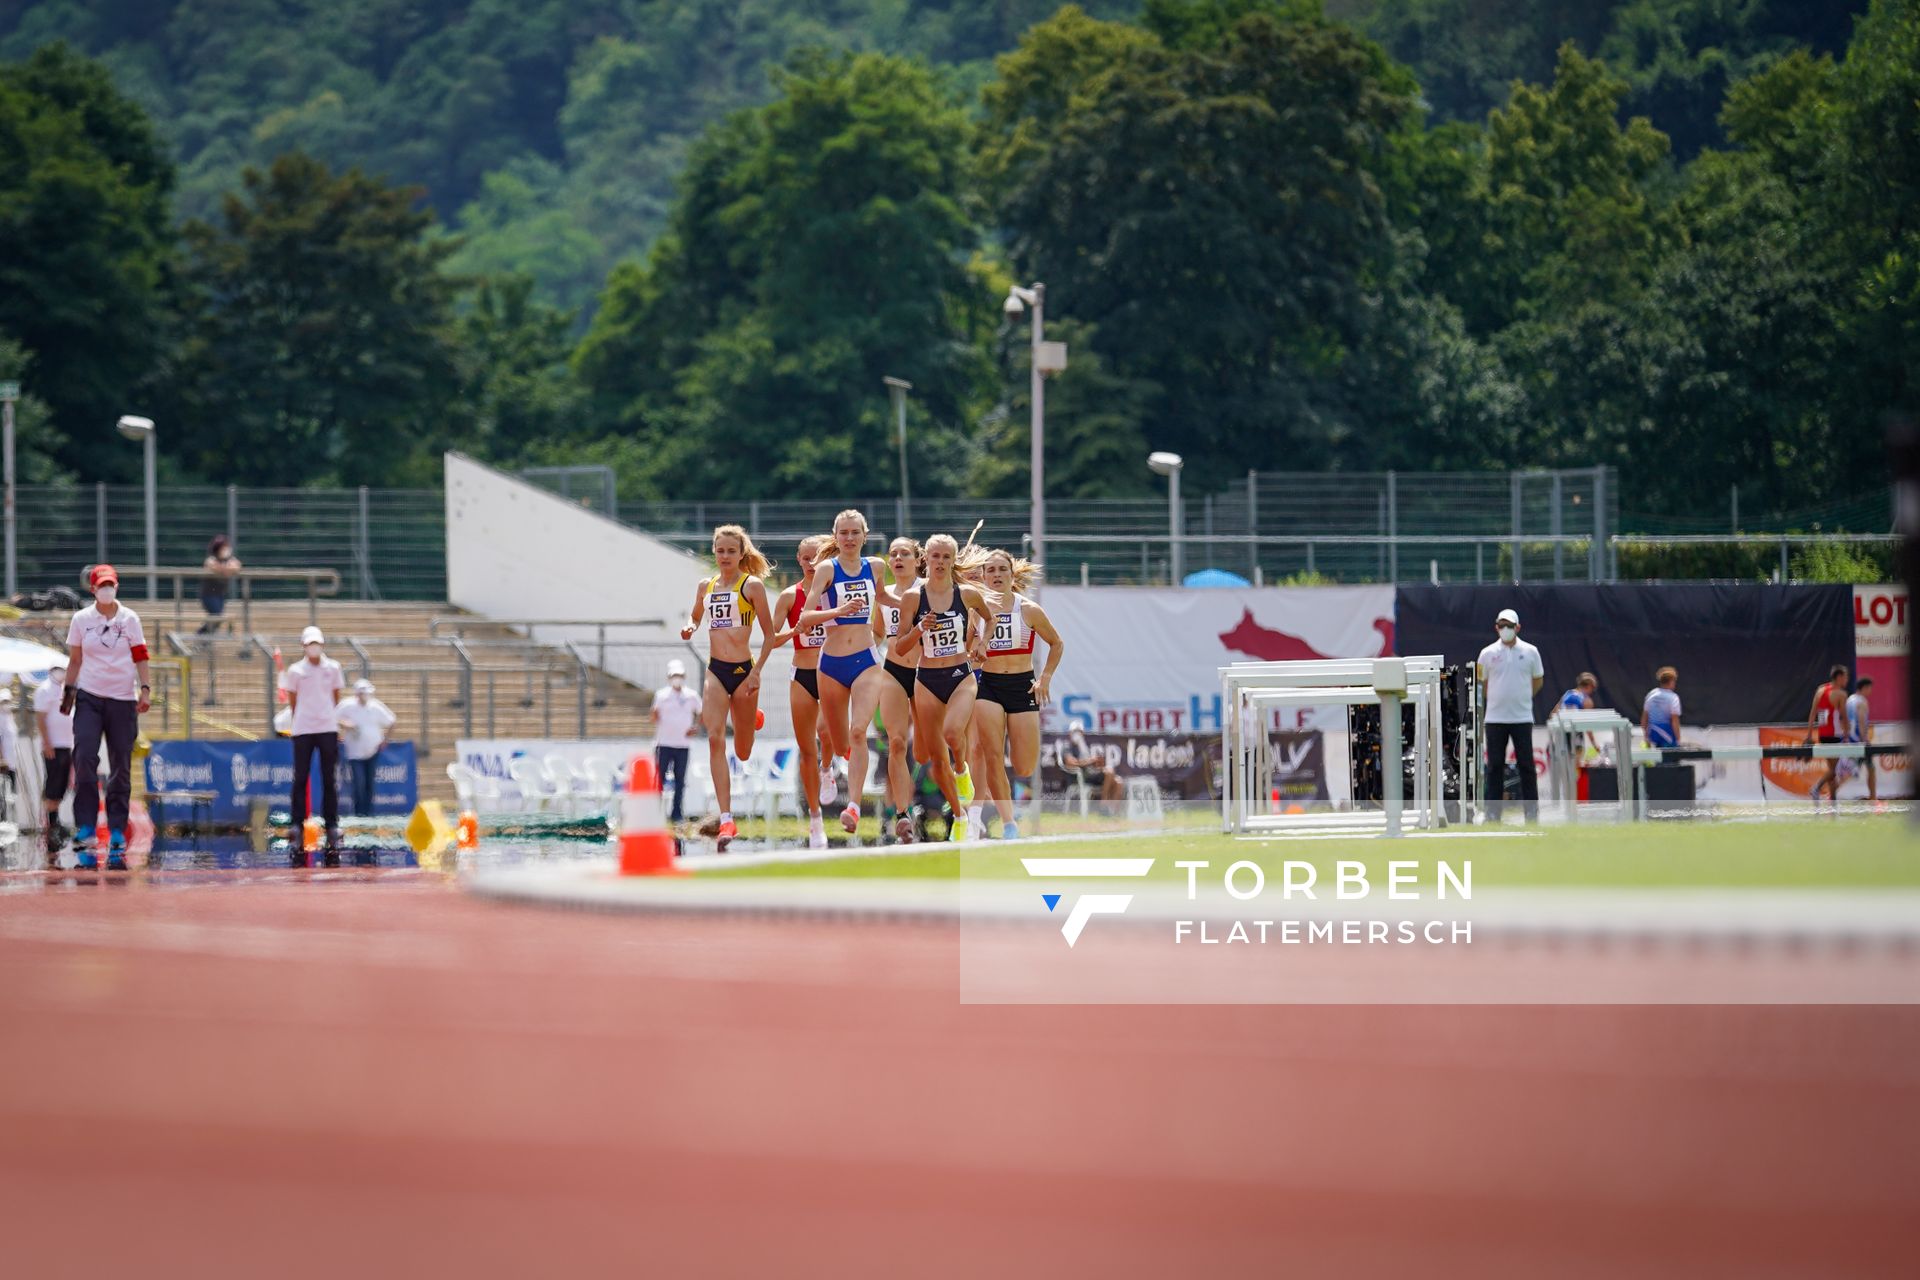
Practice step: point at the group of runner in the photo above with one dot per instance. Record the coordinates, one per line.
(954, 672)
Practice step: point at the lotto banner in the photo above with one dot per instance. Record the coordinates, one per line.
(1880, 647)
(1146, 661)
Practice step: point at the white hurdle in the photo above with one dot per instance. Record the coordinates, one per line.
(1250, 690)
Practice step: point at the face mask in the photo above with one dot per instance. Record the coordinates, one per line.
(313, 651)
(677, 682)
(105, 595)
(57, 675)
(1506, 633)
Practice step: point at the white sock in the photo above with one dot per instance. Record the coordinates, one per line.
(726, 816)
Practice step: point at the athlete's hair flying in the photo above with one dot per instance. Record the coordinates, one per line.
(752, 559)
(972, 564)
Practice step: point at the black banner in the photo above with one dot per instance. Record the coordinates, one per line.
(1182, 764)
(1746, 653)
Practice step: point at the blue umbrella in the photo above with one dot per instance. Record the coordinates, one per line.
(1214, 578)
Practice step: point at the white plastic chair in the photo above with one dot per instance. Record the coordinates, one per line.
(472, 790)
(598, 786)
(537, 792)
(569, 782)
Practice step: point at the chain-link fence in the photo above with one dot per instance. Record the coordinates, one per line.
(385, 543)
(1533, 526)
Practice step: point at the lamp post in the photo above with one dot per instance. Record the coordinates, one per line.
(1047, 357)
(897, 389)
(141, 429)
(9, 392)
(1168, 465)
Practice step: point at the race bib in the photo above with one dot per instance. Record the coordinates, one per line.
(941, 639)
(892, 616)
(723, 610)
(1004, 636)
(814, 637)
(860, 591)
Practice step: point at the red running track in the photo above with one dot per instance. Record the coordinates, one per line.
(303, 1073)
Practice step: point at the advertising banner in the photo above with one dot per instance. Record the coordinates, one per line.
(1181, 765)
(1147, 661)
(1880, 647)
(237, 773)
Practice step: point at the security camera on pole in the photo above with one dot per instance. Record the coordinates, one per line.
(1048, 357)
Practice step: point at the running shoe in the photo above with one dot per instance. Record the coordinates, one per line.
(957, 829)
(725, 835)
(816, 833)
(977, 823)
(850, 818)
(86, 861)
(963, 784)
(829, 787)
(903, 828)
(1009, 831)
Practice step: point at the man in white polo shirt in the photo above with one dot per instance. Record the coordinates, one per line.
(1510, 669)
(107, 693)
(313, 686)
(675, 708)
(56, 745)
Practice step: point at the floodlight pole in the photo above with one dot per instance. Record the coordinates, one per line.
(1038, 461)
(8, 392)
(153, 527)
(897, 389)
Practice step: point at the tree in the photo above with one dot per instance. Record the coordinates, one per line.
(89, 250)
(819, 244)
(1214, 212)
(515, 381)
(322, 350)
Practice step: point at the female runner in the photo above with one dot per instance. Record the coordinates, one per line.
(850, 674)
(904, 560)
(803, 695)
(1006, 717)
(730, 601)
(947, 625)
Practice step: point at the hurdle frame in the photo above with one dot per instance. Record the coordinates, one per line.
(1252, 688)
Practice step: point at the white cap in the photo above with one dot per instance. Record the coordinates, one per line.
(312, 636)
(676, 668)
(363, 685)
(1508, 615)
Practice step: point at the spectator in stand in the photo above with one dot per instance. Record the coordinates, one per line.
(313, 685)
(1660, 713)
(1512, 672)
(365, 725)
(56, 747)
(219, 567)
(675, 709)
(107, 693)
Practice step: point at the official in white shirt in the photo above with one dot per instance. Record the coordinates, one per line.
(313, 685)
(365, 723)
(107, 693)
(675, 710)
(1510, 669)
(56, 747)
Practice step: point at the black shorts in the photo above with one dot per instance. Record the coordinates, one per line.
(59, 773)
(1011, 689)
(731, 675)
(942, 681)
(1828, 739)
(808, 678)
(902, 675)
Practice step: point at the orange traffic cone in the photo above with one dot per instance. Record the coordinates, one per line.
(646, 846)
(310, 832)
(100, 831)
(467, 831)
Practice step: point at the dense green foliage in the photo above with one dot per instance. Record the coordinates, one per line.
(688, 238)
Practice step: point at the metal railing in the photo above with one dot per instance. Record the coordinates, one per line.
(319, 582)
(1143, 560)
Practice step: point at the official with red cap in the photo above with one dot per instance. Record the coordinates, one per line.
(107, 691)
